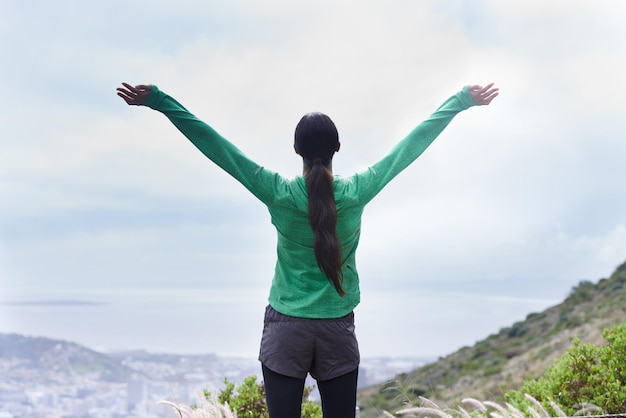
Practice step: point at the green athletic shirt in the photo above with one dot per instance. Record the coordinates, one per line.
(299, 288)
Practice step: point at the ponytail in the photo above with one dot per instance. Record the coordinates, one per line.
(316, 140)
(323, 221)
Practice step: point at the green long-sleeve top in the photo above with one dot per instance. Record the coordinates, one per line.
(299, 288)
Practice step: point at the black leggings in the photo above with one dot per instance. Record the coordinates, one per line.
(284, 395)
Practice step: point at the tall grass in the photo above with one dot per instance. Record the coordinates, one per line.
(469, 408)
(473, 408)
(206, 408)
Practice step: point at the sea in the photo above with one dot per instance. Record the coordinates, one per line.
(228, 322)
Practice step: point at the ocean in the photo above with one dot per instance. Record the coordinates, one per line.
(228, 322)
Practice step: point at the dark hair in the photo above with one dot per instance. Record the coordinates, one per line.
(316, 140)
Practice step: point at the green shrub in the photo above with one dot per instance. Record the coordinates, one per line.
(248, 399)
(517, 330)
(535, 316)
(585, 375)
(583, 292)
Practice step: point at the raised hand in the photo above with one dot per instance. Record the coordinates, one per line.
(134, 96)
(483, 95)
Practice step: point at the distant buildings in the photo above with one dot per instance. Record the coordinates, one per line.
(132, 383)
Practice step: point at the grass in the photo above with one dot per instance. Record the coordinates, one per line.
(473, 408)
(207, 408)
(469, 408)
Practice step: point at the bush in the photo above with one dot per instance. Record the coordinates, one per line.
(248, 399)
(583, 292)
(585, 375)
(517, 330)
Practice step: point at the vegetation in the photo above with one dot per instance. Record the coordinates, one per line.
(247, 401)
(586, 375)
(588, 379)
(208, 408)
(244, 401)
(565, 361)
(473, 408)
(504, 361)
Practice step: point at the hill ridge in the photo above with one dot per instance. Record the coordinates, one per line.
(504, 360)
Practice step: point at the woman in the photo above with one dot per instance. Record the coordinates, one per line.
(309, 323)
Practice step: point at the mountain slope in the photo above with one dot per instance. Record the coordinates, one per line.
(57, 359)
(502, 361)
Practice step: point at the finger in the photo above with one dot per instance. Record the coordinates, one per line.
(486, 88)
(132, 89)
(127, 99)
(488, 99)
(123, 91)
(490, 92)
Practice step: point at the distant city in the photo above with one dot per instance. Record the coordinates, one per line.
(43, 378)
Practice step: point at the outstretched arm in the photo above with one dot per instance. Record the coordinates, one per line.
(219, 150)
(414, 144)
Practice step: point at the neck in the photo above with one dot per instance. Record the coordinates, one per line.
(306, 168)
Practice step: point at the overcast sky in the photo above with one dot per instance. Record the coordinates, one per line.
(511, 207)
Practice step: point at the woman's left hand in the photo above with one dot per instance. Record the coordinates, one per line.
(134, 96)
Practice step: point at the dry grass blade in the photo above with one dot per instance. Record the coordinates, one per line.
(207, 409)
(535, 402)
(502, 410)
(464, 412)
(183, 411)
(534, 412)
(475, 403)
(557, 408)
(428, 403)
(515, 413)
(421, 410)
(173, 405)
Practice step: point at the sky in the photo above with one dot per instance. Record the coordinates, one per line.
(106, 205)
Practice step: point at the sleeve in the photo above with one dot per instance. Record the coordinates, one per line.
(372, 180)
(219, 150)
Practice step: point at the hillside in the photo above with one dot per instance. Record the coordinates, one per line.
(502, 361)
(43, 377)
(56, 360)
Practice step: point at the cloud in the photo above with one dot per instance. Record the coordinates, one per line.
(525, 191)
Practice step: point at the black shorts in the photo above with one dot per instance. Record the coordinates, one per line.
(325, 348)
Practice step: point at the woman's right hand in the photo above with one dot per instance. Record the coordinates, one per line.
(483, 95)
(136, 95)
